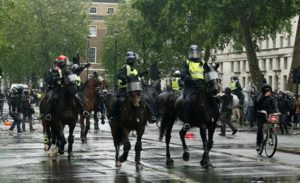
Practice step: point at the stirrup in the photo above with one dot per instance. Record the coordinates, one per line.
(186, 126)
(48, 117)
(153, 119)
(86, 114)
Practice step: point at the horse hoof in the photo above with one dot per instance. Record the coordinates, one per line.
(70, 156)
(122, 159)
(83, 140)
(209, 167)
(139, 166)
(60, 152)
(169, 162)
(118, 164)
(186, 156)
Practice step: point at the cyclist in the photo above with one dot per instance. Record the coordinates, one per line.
(267, 103)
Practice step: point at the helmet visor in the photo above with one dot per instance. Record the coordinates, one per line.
(194, 54)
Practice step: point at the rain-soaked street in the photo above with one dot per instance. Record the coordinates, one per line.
(23, 159)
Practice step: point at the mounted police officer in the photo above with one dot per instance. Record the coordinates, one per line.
(192, 74)
(176, 82)
(236, 89)
(127, 73)
(77, 69)
(57, 76)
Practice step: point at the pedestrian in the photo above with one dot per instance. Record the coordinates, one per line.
(284, 108)
(226, 112)
(16, 109)
(2, 98)
(27, 110)
(298, 112)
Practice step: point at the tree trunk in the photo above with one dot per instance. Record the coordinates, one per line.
(296, 57)
(255, 73)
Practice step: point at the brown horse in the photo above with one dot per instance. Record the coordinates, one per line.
(88, 93)
(134, 114)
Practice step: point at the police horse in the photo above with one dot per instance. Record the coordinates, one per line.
(204, 115)
(133, 115)
(88, 94)
(65, 112)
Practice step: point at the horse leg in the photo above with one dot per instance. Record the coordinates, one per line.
(169, 126)
(61, 141)
(186, 154)
(138, 148)
(205, 162)
(126, 147)
(82, 129)
(71, 141)
(87, 128)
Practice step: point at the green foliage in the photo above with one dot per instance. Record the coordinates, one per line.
(34, 32)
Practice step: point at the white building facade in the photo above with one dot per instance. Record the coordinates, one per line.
(274, 57)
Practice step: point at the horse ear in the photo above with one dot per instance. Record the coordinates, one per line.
(206, 67)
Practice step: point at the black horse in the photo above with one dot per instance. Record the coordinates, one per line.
(204, 115)
(133, 115)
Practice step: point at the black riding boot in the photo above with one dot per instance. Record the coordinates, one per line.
(79, 103)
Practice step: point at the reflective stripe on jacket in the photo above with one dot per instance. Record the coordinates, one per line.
(129, 72)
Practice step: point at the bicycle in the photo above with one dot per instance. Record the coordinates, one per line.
(270, 141)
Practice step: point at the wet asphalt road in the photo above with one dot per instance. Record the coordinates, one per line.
(23, 159)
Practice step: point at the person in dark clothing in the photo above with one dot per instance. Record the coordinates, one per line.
(284, 107)
(16, 108)
(27, 110)
(267, 103)
(2, 98)
(99, 107)
(192, 75)
(226, 112)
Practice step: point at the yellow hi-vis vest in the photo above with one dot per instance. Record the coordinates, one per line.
(175, 84)
(129, 72)
(196, 70)
(232, 85)
(78, 81)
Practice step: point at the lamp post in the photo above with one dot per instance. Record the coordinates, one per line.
(189, 26)
(88, 57)
(115, 61)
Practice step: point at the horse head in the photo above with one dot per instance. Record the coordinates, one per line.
(212, 78)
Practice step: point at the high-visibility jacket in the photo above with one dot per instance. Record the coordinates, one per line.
(129, 72)
(196, 70)
(175, 84)
(232, 85)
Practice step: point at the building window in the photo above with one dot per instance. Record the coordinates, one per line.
(232, 66)
(260, 44)
(238, 65)
(263, 64)
(243, 82)
(92, 55)
(288, 40)
(274, 42)
(285, 63)
(110, 11)
(270, 82)
(281, 41)
(267, 43)
(271, 64)
(244, 65)
(284, 82)
(93, 31)
(93, 10)
(278, 63)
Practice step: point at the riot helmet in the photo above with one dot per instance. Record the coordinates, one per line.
(130, 58)
(194, 53)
